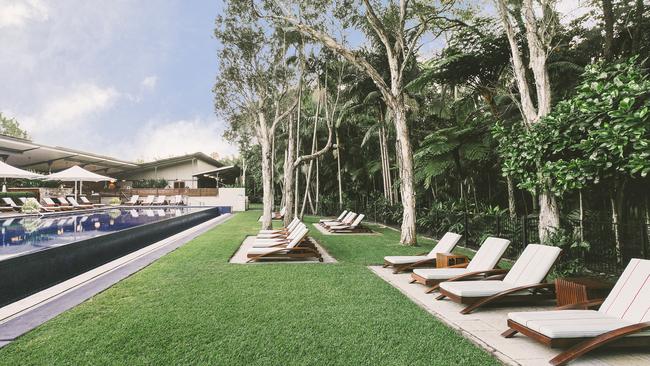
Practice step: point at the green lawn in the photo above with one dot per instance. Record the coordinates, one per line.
(192, 307)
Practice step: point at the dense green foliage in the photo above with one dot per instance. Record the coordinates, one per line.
(193, 307)
(601, 133)
(11, 127)
(150, 183)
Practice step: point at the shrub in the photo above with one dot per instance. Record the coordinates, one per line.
(30, 207)
(114, 201)
(150, 183)
(15, 195)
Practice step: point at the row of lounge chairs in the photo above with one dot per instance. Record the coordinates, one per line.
(347, 222)
(49, 205)
(623, 318)
(153, 200)
(291, 242)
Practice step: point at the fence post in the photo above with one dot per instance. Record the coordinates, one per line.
(498, 225)
(524, 231)
(644, 241)
(465, 227)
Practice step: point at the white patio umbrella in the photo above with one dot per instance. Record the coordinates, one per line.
(78, 174)
(8, 171)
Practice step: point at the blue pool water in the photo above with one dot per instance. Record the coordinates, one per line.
(28, 234)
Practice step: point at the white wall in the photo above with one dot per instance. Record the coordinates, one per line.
(179, 172)
(233, 197)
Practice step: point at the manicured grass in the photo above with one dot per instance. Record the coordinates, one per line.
(192, 307)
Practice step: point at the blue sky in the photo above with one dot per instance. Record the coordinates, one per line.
(126, 78)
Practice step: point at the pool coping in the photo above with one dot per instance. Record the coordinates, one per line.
(26, 314)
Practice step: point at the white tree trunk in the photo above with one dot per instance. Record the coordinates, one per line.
(338, 167)
(408, 235)
(549, 215)
(289, 176)
(512, 207)
(267, 185)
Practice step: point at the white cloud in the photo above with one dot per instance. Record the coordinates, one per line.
(572, 9)
(157, 140)
(149, 83)
(69, 110)
(19, 13)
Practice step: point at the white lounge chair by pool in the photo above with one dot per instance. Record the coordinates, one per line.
(133, 200)
(623, 318)
(523, 282)
(148, 201)
(486, 258)
(446, 244)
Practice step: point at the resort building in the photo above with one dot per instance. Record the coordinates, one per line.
(199, 177)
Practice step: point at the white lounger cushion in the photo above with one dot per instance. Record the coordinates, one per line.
(260, 251)
(270, 244)
(488, 254)
(531, 268)
(486, 258)
(533, 265)
(439, 273)
(405, 259)
(630, 297)
(476, 288)
(569, 323)
(445, 245)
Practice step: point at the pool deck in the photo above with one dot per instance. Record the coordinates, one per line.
(484, 328)
(26, 314)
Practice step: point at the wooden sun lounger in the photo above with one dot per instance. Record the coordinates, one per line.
(50, 203)
(279, 215)
(299, 234)
(446, 244)
(623, 319)
(354, 227)
(347, 220)
(11, 203)
(76, 204)
(486, 258)
(279, 233)
(85, 201)
(522, 283)
(338, 219)
(133, 200)
(299, 248)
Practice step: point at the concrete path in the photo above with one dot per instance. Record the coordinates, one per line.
(484, 328)
(240, 255)
(26, 314)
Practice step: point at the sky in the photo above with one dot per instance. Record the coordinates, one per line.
(126, 78)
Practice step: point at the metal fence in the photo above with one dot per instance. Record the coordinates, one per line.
(603, 254)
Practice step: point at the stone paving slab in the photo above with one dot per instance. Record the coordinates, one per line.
(240, 256)
(484, 328)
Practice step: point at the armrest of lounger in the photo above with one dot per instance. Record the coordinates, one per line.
(399, 269)
(582, 305)
(505, 293)
(596, 342)
(478, 273)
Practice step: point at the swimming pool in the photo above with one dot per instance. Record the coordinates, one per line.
(37, 253)
(28, 234)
